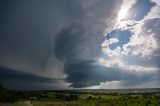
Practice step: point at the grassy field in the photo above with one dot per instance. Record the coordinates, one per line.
(81, 98)
(95, 100)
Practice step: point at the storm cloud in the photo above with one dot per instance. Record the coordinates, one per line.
(57, 44)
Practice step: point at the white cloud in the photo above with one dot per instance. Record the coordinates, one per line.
(122, 85)
(154, 12)
(141, 43)
(126, 5)
(117, 63)
(111, 53)
(109, 42)
(107, 85)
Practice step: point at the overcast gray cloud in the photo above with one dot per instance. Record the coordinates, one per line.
(34, 32)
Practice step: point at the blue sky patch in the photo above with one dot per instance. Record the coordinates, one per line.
(140, 9)
(122, 35)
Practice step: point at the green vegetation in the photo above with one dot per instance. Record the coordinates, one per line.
(76, 98)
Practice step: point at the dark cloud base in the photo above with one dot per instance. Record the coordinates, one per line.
(88, 73)
(9, 78)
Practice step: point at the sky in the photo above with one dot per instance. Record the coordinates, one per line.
(79, 44)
